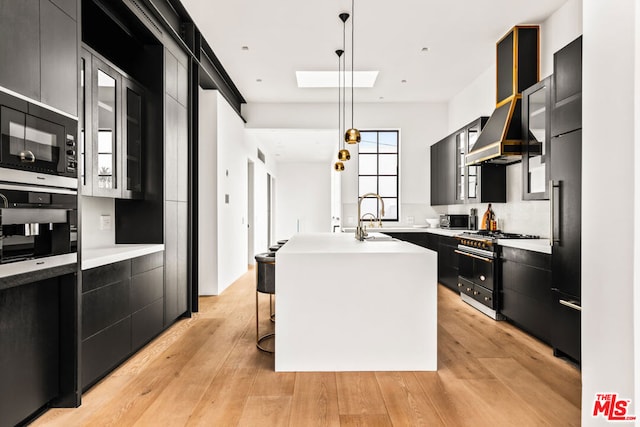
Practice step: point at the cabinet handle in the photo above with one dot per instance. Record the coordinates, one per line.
(473, 256)
(570, 304)
(552, 204)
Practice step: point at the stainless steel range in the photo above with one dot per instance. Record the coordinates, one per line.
(479, 275)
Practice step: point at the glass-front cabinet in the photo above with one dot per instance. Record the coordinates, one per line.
(111, 136)
(536, 103)
(467, 177)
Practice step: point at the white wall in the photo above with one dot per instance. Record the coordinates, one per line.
(208, 193)
(303, 198)
(223, 232)
(557, 31)
(420, 125)
(92, 209)
(609, 275)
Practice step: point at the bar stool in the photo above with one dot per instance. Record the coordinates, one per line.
(282, 242)
(274, 248)
(266, 284)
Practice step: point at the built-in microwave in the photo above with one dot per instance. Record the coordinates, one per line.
(36, 139)
(36, 222)
(454, 221)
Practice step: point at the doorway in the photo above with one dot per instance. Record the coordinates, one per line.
(250, 212)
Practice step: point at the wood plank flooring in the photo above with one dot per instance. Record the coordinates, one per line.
(206, 371)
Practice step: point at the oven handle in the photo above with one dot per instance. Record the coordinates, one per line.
(570, 304)
(473, 256)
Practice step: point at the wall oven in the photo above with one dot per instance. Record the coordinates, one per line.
(35, 139)
(36, 222)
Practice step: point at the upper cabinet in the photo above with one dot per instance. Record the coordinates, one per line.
(453, 182)
(536, 129)
(111, 131)
(39, 47)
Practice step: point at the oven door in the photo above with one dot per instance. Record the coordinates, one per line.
(32, 144)
(477, 267)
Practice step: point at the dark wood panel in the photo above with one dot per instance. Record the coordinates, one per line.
(435, 175)
(20, 46)
(565, 334)
(147, 262)
(29, 356)
(146, 288)
(101, 276)
(528, 313)
(103, 351)
(493, 183)
(448, 262)
(105, 306)
(147, 323)
(531, 258)
(70, 7)
(59, 59)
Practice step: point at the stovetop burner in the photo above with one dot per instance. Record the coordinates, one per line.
(497, 234)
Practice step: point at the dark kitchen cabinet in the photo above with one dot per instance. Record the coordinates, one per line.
(20, 46)
(453, 182)
(526, 290)
(38, 44)
(448, 262)
(566, 201)
(122, 309)
(536, 138)
(112, 130)
(443, 178)
(424, 239)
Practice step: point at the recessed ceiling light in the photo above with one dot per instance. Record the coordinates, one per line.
(259, 80)
(403, 81)
(382, 97)
(425, 49)
(245, 47)
(331, 78)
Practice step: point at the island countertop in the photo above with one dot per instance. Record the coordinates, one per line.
(347, 305)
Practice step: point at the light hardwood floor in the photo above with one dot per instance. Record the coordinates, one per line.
(206, 371)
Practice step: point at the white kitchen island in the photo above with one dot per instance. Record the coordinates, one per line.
(346, 305)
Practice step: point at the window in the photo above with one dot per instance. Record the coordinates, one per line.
(378, 171)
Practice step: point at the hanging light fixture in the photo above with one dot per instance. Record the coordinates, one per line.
(339, 166)
(343, 154)
(352, 136)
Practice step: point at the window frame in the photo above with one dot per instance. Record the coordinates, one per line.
(377, 154)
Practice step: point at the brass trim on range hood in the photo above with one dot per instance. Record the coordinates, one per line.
(501, 138)
(517, 67)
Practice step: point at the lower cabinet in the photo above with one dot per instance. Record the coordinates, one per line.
(526, 290)
(122, 309)
(444, 245)
(448, 262)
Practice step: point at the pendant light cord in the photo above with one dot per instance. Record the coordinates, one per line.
(353, 16)
(344, 88)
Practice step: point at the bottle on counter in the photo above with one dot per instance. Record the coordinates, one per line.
(489, 220)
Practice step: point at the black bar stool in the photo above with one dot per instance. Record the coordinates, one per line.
(265, 284)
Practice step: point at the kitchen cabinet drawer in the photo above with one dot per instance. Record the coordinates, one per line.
(146, 288)
(104, 275)
(565, 334)
(526, 290)
(105, 306)
(448, 262)
(147, 323)
(147, 262)
(105, 350)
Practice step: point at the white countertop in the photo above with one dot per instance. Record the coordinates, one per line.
(315, 243)
(536, 245)
(97, 257)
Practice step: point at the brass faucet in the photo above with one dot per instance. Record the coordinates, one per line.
(361, 232)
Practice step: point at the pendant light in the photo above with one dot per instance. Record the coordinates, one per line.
(339, 166)
(343, 154)
(352, 136)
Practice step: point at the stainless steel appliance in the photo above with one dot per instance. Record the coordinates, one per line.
(454, 221)
(479, 278)
(36, 222)
(35, 139)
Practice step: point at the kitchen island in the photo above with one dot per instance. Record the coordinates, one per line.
(347, 305)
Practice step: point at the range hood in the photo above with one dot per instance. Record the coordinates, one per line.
(517, 68)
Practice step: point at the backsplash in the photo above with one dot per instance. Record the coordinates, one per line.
(515, 216)
(93, 234)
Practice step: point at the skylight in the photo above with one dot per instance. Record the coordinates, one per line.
(318, 79)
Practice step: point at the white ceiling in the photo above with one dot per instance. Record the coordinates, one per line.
(286, 36)
(296, 145)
